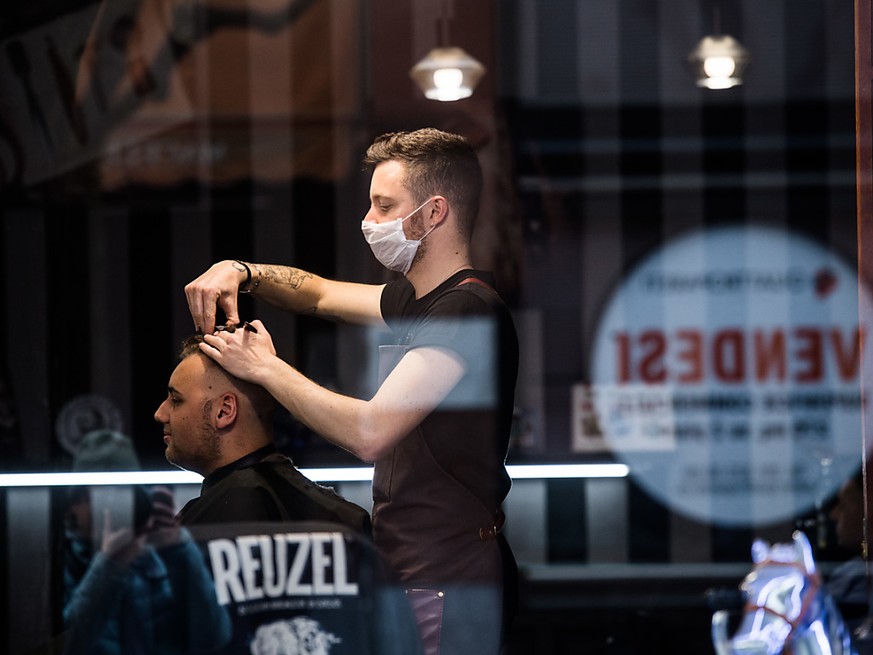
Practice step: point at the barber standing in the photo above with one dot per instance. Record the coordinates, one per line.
(438, 426)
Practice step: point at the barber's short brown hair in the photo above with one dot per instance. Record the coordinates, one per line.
(437, 163)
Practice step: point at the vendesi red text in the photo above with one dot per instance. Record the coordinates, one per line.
(801, 354)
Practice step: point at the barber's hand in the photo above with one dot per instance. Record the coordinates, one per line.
(216, 289)
(243, 352)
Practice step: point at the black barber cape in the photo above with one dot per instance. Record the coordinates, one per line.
(266, 486)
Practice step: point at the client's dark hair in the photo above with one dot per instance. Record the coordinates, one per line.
(190, 345)
(262, 401)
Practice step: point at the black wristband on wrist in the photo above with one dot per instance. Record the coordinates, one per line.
(257, 280)
(245, 287)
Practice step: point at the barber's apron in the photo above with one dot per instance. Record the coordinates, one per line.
(434, 532)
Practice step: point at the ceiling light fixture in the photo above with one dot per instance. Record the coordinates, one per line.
(447, 73)
(719, 59)
(719, 62)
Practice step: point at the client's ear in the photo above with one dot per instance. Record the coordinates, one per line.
(227, 410)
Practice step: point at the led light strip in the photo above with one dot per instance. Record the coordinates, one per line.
(552, 471)
(356, 474)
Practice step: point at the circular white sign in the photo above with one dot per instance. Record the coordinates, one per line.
(726, 374)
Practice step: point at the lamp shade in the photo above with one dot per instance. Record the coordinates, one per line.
(447, 74)
(719, 62)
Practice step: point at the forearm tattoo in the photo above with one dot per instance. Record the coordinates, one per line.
(287, 275)
(290, 277)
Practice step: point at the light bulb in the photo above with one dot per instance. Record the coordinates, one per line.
(447, 74)
(448, 78)
(719, 66)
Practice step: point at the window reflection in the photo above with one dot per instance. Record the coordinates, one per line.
(683, 268)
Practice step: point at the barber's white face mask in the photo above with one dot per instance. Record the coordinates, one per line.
(390, 245)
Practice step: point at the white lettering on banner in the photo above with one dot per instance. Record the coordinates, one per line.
(294, 586)
(252, 567)
(249, 564)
